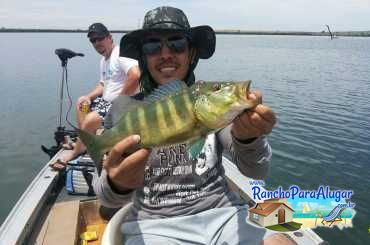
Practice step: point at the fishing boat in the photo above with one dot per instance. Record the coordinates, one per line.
(46, 214)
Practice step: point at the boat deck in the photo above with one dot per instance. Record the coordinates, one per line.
(65, 218)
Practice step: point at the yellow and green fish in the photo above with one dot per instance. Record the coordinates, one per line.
(174, 113)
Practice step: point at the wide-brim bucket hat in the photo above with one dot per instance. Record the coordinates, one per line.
(163, 19)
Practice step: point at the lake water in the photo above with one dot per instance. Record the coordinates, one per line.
(318, 88)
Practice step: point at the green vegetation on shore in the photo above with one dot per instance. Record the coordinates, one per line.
(226, 32)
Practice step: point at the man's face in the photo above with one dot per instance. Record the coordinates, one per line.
(168, 56)
(102, 45)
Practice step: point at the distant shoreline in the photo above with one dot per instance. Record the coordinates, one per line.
(222, 32)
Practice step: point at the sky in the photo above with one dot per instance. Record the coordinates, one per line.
(263, 15)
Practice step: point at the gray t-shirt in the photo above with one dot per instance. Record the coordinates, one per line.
(176, 185)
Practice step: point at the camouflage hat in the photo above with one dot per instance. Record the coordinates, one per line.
(164, 19)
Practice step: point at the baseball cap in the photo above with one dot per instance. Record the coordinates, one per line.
(98, 28)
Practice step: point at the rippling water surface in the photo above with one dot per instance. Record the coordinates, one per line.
(318, 88)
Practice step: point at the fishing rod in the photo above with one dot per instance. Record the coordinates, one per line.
(59, 135)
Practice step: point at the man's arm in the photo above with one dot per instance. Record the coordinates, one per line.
(131, 68)
(108, 196)
(132, 81)
(98, 91)
(252, 159)
(245, 139)
(121, 174)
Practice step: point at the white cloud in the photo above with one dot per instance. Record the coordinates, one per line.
(313, 205)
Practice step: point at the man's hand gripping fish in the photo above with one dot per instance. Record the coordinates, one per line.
(174, 113)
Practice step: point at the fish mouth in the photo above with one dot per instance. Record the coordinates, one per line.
(243, 89)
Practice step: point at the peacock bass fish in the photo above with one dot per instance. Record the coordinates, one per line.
(172, 114)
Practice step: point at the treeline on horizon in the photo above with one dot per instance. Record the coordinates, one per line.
(232, 32)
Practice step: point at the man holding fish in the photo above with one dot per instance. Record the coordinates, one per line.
(165, 152)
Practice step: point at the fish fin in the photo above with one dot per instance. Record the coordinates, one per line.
(94, 148)
(120, 106)
(165, 90)
(197, 147)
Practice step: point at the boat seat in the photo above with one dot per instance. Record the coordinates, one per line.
(112, 233)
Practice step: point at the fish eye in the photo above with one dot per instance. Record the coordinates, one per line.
(216, 87)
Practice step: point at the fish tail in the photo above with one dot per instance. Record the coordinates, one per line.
(94, 148)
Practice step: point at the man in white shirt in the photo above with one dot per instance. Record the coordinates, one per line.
(118, 76)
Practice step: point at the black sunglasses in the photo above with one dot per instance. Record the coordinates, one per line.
(176, 44)
(96, 39)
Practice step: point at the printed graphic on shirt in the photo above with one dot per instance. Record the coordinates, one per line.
(107, 75)
(192, 176)
(207, 157)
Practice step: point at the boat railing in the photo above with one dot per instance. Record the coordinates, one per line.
(19, 222)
